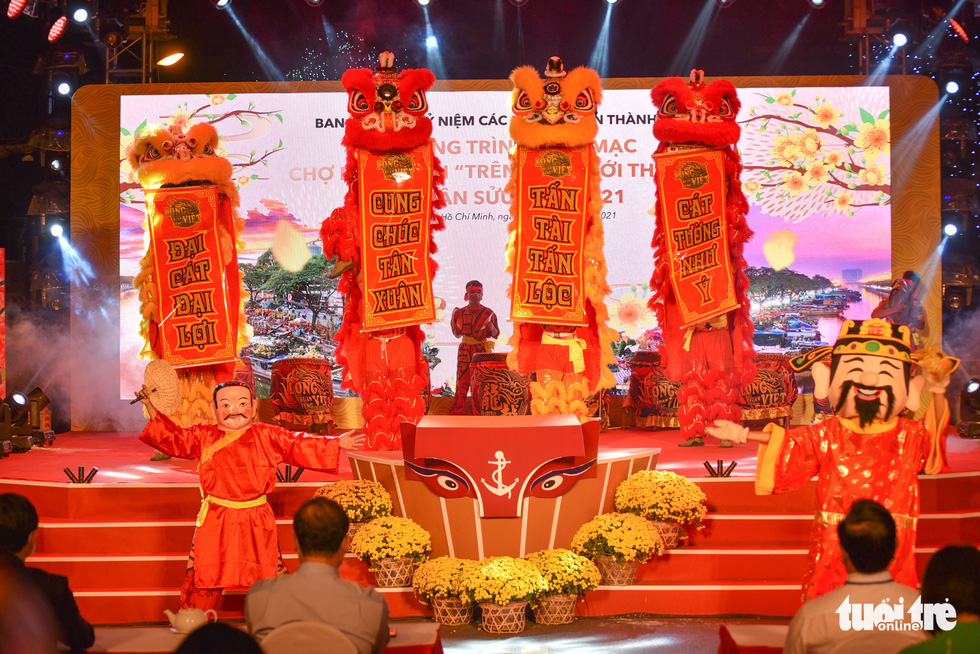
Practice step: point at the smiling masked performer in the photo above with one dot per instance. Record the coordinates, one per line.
(235, 542)
(699, 282)
(190, 288)
(554, 250)
(383, 238)
(865, 451)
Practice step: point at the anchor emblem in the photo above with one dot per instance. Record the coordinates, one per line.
(498, 476)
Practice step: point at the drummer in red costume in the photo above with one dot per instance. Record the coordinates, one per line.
(236, 543)
(865, 451)
(475, 323)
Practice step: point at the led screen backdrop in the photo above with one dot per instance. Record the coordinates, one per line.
(818, 154)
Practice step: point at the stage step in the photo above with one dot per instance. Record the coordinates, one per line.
(124, 548)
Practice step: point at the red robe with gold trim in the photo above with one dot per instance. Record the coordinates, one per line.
(239, 546)
(880, 463)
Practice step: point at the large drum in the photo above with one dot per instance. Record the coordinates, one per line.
(652, 394)
(497, 390)
(302, 394)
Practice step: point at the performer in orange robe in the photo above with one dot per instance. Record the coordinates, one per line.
(866, 451)
(235, 543)
(475, 323)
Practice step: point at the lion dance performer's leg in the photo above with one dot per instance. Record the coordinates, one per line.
(464, 375)
(709, 384)
(392, 390)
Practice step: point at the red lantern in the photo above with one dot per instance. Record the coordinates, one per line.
(15, 7)
(57, 29)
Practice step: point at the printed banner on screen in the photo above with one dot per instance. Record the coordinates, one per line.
(396, 203)
(549, 278)
(692, 205)
(194, 329)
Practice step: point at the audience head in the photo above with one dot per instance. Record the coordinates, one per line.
(18, 520)
(218, 638)
(953, 576)
(321, 526)
(867, 536)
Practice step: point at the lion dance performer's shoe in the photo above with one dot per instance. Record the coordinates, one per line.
(697, 441)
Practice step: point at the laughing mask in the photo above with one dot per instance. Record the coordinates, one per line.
(870, 371)
(234, 407)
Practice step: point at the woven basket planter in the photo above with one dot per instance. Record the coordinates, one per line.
(451, 611)
(555, 609)
(393, 573)
(616, 573)
(669, 531)
(506, 619)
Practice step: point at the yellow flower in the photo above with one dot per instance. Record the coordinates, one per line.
(793, 182)
(392, 538)
(625, 536)
(439, 577)
(784, 99)
(565, 572)
(501, 580)
(842, 203)
(662, 495)
(873, 175)
(218, 98)
(180, 121)
(809, 143)
(833, 158)
(751, 187)
(785, 149)
(816, 173)
(629, 315)
(361, 499)
(825, 115)
(875, 139)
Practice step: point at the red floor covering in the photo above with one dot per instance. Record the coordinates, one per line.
(122, 458)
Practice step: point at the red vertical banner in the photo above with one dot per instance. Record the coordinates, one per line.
(396, 205)
(692, 208)
(549, 275)
(189, 270)
(3, 325)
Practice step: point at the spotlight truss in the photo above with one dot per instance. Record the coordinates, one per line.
(969, 426)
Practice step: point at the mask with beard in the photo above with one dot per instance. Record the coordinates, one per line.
(867, 410)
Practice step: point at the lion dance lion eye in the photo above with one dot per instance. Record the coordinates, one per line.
(208, 150)
(523, 103)
(417, 103)
(358, 103)
(669, 106)
(151, 153)
(584, 103)
(725, 109)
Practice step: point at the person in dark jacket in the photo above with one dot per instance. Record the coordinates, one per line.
(18, 532)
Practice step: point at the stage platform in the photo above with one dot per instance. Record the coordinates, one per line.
(123, 539)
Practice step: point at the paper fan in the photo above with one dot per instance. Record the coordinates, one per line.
(163, 387)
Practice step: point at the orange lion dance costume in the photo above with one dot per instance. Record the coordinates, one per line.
(190, 288)
(699, 276)
(383, 237)
(555, 246)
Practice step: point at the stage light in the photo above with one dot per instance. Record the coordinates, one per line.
(314, 3)
(221, 4)
(969, 426)
(38, 402)
(17, 403)
(518, 3)
(57, 29)
(949, 229)
(612, 2)
(431, 42)
(15, 7)
(724, 4)
(816, 4)
(80, 15)
(64, 88)
(170, 55)
(900, 40)
(113, 29)
(57, 230)
(952, 87)
(423, 3)
(55, 164)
